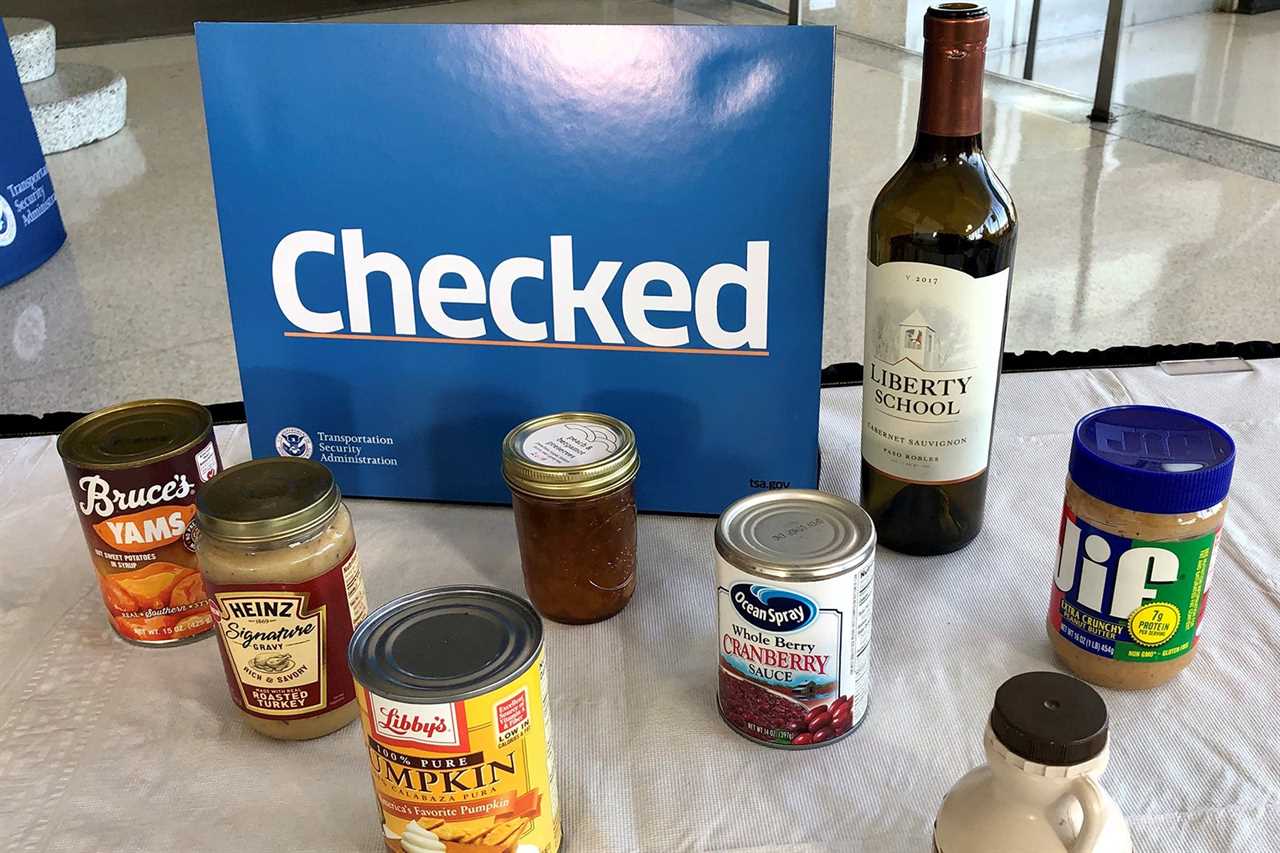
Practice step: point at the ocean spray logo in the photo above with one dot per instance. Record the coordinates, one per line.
(8, 222)
(557, 326)
(772, 609)
(292, 441)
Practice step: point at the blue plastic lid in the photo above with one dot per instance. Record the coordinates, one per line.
(1152, 459)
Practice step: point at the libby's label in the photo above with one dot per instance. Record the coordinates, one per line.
(284, 646)
(139, 524)
(477, 774)
(794, 657)
(405, 724)
(932, 343)
(1129, 599)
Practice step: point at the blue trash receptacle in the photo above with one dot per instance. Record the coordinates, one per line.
(30, 224)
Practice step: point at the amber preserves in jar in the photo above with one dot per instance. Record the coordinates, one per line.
(1146, 499)
(278, 555)
(572, 478)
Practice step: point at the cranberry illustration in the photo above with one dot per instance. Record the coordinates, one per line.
(816, 721)
(757, 712)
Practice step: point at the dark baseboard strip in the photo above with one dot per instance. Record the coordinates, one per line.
(17, 426)
(833, 376)
(850, 373)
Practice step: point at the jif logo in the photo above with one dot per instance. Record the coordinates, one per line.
(1133, 570)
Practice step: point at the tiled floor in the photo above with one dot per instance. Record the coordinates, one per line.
(1213, 69)
(1121, 243)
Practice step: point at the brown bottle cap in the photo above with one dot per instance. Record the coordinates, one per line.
(1050, 718)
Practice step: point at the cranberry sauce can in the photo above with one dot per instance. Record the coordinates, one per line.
(794, 576)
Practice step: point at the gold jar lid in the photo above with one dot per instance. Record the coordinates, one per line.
(570, 455)
(267, 500)
(136, 433)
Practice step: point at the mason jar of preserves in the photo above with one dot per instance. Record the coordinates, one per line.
(572, 478)
(278, 555)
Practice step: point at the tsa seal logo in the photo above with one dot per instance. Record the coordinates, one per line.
(292, 441)
(8, 223)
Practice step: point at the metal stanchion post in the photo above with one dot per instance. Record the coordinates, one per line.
(793, 12)
(1107, 65)
(1033, 33)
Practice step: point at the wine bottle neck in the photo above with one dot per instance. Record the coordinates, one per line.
(955, 51)
(931, 148)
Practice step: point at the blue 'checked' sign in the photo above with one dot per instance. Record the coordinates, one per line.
(433, 233)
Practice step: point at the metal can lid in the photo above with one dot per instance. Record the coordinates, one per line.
(135, 433)
(267, 500)
(570, 455)
(445, 644)
(795, 534)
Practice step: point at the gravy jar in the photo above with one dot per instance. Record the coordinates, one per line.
(572, 478)
(278, 555)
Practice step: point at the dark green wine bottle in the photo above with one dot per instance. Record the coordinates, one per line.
(939, 257)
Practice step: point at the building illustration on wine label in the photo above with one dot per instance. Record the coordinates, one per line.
(933, 345)
(918, 341)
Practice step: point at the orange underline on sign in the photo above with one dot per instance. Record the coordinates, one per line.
(338, 336)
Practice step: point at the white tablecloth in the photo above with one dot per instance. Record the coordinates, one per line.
(105, 746)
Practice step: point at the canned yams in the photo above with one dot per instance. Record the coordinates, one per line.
(134, 470)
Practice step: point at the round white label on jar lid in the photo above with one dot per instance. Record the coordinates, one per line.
(564, 445)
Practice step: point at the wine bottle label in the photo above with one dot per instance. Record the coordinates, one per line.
(933, 339)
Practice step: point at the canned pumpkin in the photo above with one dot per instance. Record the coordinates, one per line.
(451, 684)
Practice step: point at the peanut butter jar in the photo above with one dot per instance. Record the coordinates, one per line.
(1145, 503)
(572, 478)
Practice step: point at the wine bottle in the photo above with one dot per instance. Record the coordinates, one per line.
(939, 257)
